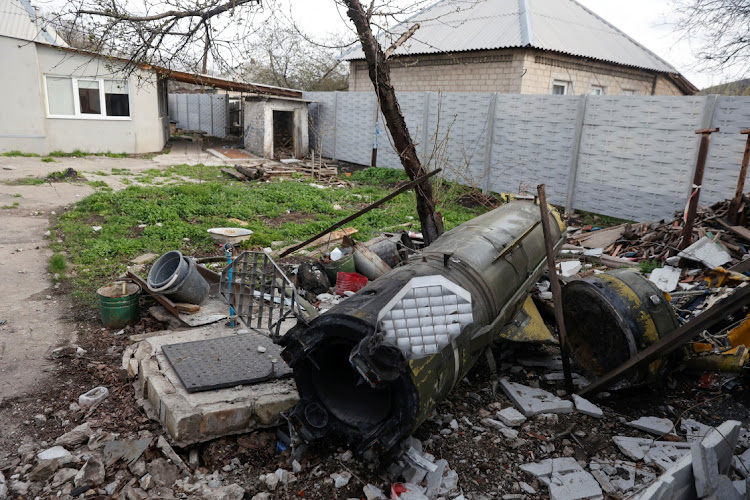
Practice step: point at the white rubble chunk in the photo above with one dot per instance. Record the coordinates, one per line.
(653, 425)
(694, 430)
(663, 454)
(741, 487)
(742, 463)
(510, 417)
(527, 488)
(58, 453)
(372, 492)
(726, 491)
(570, 268)
(707, 252)
(565, 478)
(666, 278)
(705, 469)
(507, 432)
(341, 479)
(531, 401)
(679, 481)
(620, 475)
(586, 407)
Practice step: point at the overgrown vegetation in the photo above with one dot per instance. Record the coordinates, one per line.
(16, 153)
(57, 263)
(646, 266)
(157, 219)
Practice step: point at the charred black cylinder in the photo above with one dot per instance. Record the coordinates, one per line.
(372, 368)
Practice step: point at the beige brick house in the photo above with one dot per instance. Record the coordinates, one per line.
(519, 47)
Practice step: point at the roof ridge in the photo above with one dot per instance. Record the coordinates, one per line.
(619, 31)
(527, 35)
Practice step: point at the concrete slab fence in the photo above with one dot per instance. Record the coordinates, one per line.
(625, 156)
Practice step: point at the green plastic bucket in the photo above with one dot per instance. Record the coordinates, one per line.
(345, 265)
(118, 304)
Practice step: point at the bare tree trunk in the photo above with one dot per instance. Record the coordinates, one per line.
(380, 74)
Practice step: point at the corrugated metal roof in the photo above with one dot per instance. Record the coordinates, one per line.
(17, 20)
(558, 25)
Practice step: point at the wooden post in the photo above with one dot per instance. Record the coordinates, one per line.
(700, 168)
(734, 206)
(555, 287)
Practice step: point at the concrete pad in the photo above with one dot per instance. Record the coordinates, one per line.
(586, 407)
(193, 418)
(531, 401)
(653, 425)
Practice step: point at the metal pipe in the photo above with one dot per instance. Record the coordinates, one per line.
(372, 368)
(555, 287)
(734, 205)
(687, 231)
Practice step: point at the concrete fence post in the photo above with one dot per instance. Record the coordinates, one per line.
(572, 176)
(335, 122)
(425, 125)
(488, 146)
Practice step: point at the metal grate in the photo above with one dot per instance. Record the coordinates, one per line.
(425, 316)
(212, 364)
(259, 292)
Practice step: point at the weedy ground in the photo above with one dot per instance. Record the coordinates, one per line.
(172, 209)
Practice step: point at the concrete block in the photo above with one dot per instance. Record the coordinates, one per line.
(531, 401)
(202, 416)
(694, 430)
(663, 454)
(586, 407)
(725, 491)
(619, 474)
(510, 417)
(653, 425)
(705, 469)
(742, 463)
(565, 478)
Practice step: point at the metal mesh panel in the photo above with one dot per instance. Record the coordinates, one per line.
(425, 316)
(259, 292)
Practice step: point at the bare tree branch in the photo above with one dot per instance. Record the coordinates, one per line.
(403, 38)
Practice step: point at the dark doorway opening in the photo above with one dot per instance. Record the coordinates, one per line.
(283, 135)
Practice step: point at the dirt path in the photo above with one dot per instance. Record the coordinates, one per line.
(34, 318)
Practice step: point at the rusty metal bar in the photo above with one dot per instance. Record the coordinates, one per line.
(340, 223)
(687, 230)
(555, 287)
(734, 205)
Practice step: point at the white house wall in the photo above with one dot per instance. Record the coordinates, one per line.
(22, 123)
(25, 126)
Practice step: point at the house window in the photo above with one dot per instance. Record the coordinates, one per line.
(628, 92)
(87, 98)
(559, 88)
(596, 90)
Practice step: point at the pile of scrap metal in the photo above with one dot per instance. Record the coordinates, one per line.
(372, 368)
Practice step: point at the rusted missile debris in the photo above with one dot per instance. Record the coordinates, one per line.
(372, 368)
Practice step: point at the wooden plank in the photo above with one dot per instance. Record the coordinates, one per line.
(233, 173)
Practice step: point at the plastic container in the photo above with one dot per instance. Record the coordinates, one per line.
(344, 264)
(178, 279)
(93, 397)
(349, 282)
(168, 270)
(118, 304)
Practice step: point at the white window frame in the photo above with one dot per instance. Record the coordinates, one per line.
(602, 90)
(77, 101)
(560, 83)
(629, 92)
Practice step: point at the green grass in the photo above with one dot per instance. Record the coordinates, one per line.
(77, 153)
(12, 206)
(16, 153)
(26, 181)
(17, 195)
(97, 184)
(647, 266)
(47, 159)
(597, 220)
(121, 171)
(101, 173)
(287, 211)
(57, 263)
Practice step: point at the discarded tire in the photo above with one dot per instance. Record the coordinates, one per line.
(610, 317)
